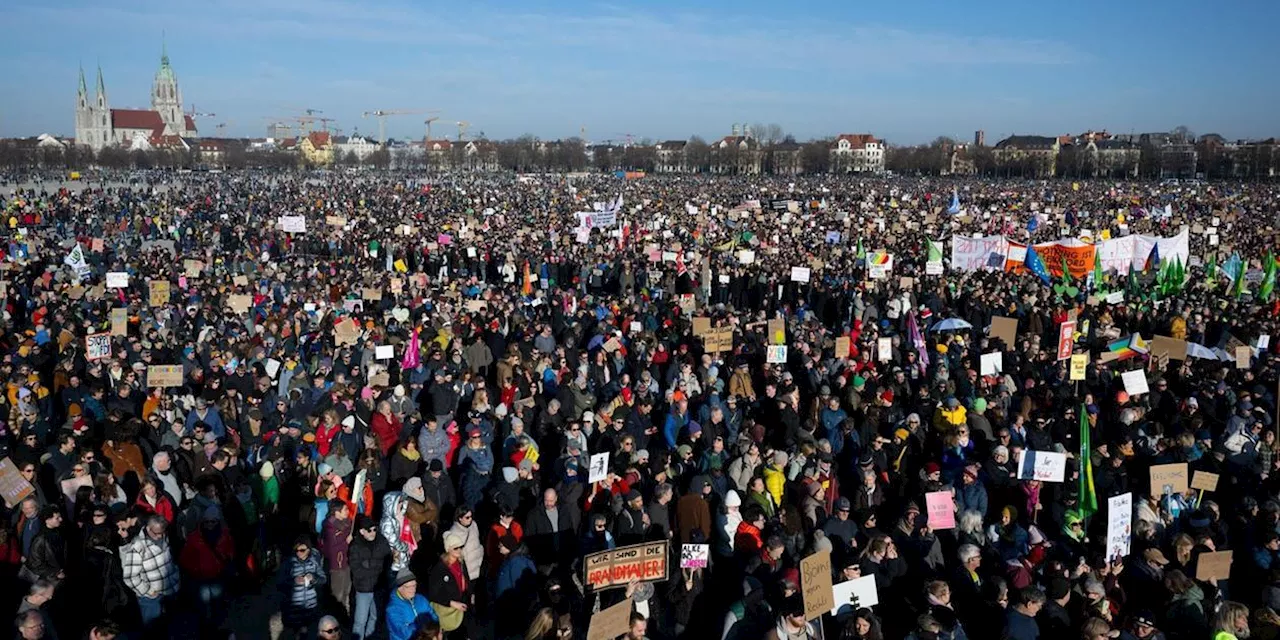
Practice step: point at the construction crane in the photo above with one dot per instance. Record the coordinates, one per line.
(221, 126)
(462, 129)
(198, 114)
(428, 123)
(381, 115)
(304, 124)
(310, 112)
(324, 122)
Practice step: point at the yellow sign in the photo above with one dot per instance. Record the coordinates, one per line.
(1079, 362)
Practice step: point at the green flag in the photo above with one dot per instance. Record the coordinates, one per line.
(1268, 278)
(1237, 287)
(1211, 272)
(935, 251)
(862, 253)
(1097, 270)
(1088, 497)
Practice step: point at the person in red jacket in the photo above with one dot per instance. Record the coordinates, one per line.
(386, 428)
(748, 540)
(329, 429)
(152, 499)
(207, 559)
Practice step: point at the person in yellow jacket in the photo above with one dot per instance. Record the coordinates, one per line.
(1178, 327)
(775, 476)
(1231, 621)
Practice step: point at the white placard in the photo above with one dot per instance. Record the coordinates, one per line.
(117, 279)
(777, 354)
(933, 268)
(1045, 466)
(863, 589)
(746, 256)
(384, 352)
(694, 556)
(724, 279)
(1115, 297)
(273, 367)
(1119, 525)
(1135, 382)
(800, 274)
(992, 363)
(884, 349)
(599, 467)
(97, 346)
(1264, 341)
(293, 224)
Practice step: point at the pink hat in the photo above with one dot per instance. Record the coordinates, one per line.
(366, 393)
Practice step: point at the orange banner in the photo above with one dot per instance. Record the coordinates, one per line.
(1079, 259)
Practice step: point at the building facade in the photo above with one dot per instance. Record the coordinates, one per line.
(98, 125)
(857, 153)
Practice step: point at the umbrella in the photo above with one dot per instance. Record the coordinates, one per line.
(951, 324)
(1195, 350)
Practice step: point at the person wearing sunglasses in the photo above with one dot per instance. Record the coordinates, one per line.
(303, 575)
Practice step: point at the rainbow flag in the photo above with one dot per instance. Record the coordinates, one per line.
(880, 257)
(1129, 347)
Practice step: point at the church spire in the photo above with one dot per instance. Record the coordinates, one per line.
(84, 89)
(164, 50)
(102, 87)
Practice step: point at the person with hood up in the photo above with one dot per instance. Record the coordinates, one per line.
(464, 526)
(693, 512)
(727, 520)
(397, 529)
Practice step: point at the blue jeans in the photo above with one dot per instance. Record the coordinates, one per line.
(365, 619)
(150, 608)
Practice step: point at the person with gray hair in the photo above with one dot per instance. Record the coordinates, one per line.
(149, 570)
(328, 628)
(32, 625)
(1020, 619)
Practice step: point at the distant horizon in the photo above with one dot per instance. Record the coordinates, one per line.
(664, 71)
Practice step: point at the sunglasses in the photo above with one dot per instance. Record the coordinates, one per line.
(329, 630)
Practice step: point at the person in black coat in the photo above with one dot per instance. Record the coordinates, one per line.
(48, 556)
(368, 555)
(448, 585)
(549, 532)
(439, 489)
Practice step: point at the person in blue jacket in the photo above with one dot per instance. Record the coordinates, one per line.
(407, 609)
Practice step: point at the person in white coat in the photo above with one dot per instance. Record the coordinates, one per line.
(464, 525)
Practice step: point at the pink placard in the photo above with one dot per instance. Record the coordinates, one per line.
(444, 239)
(942, 510)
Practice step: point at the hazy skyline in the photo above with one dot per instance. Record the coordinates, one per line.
(906, 72)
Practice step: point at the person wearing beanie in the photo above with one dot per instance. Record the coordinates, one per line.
(1055, 617)
(407, 609)
(367, 555)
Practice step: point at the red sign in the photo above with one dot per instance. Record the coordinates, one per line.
(1066, 339)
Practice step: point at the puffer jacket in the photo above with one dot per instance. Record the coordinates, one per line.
(434, 445)
(472, 548)
(391, 528)
(774, 480)
(741, 471)
(303, 597)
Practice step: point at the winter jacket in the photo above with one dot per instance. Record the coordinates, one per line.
(367, 562)
(392, 528)
(472, 549)
(434, 445)
(148, 566)
(972, 497)
(692, 512)
(404, 616)
(741, 470)
(205, 561)
(513, 569)
(304, 597)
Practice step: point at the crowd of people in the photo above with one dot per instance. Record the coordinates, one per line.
(381, 423)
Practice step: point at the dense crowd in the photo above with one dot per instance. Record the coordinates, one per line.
(385, 424)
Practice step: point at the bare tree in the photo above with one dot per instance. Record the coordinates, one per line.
(697, 155)
(768, 134)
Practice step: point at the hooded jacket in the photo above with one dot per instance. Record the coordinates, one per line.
(692, 512)
(392, 527)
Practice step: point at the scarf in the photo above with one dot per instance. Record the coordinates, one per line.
(413, 455)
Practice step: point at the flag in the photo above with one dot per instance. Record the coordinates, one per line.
(917, 340)
(862, 252)
(412, 355)
(1097, 270)
(955, 204)
(528, 280)
(1088, 503)
(1268, 277)
(1036, 265)
(1237, 287)
(935, 251)
(1211, 272)
(1153, 259)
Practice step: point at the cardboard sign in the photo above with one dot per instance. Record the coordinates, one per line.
(815, 585)
(293, 224)
(610, 623)
(1168, 478)
(97, 346)
(1213, 565)
(346, 331)
(1066, 339)
(192, 268)
(851, 595)
(117, 280)
(688, 304)
(1005, 329)
(1135, 382)
(119, 322)
(991, 363)
(1176, 349)
(164, 375)
(777, 331)
(599, 467)
(1119, 525)
(777, 354)
(13, 486)
(384, 352)
(1244, 357)
(475, 306)
(239, 303)
(1079, 363)
(843, 344)
(694, 556)
(701, 325)
(800, 274)
(335, 221)
(718, 340)
(240, 281)
(381, 380)
(372, 294)
(941, 509)
(159, 292)
(1204, 481)
(616, 567)
(1045, 466)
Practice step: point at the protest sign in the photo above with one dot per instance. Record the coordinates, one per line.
(1168, 478)
(164, 375)
(380, 380)
(777, 331)
(608, 624)
(384, 352)
(1135, 382)
(815, 585)
(1176, 349)
(192, 268)
(1066, 339)
(273, 367)
(1005, 329)
(777, 354)
(13, 486)
(718, 340)
(372, 294)
(800, 274)
(694, 556)
(701, 325)
(616, 567)
(335, 221)
(599, 467)
(158, 292)
(1045, 466)
(884, 349)
(293, 224)
(119, 322)
(1204, 481)
(97, 346)
(991, 363)
(239, 303)
(117, 279)
(346, 331)
(842, 347)
(1214, 565)
(851, 595)
(475, 306)
(1079, 363)
(941, 509)
(933, 268)
(1119, 525)
(688, 304)
(1244, 356)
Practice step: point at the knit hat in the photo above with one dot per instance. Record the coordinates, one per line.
(731, 499)
(413, 489)
(403, 577)
(453, 540)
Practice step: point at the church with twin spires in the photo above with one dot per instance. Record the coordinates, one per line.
(98, 125)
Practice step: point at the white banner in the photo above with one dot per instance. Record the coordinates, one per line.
(117, 279)
(293, 224)
(596, 219)
(1119, 525)
(973, 254)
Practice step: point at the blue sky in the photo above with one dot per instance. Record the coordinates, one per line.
(906, 71)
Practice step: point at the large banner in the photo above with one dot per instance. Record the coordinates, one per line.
(616, 567)
(1079, 257)
(973, 254)
(1117, 255)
